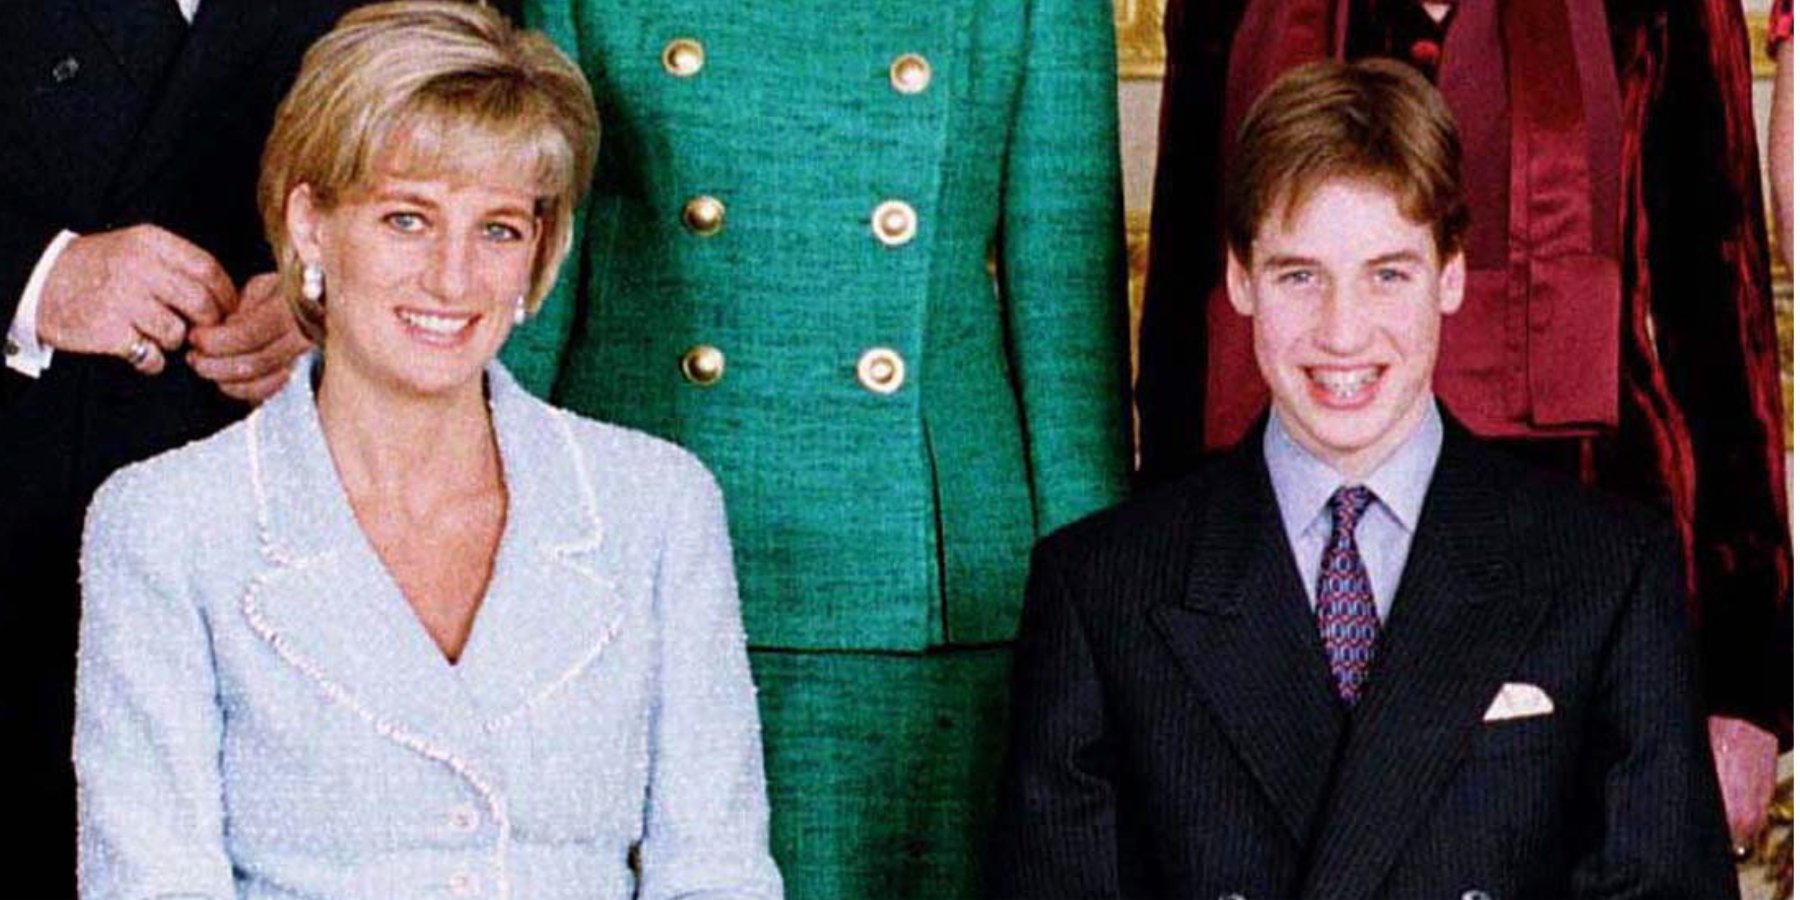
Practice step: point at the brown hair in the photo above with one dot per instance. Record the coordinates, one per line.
(1374, 120)
(438, 87)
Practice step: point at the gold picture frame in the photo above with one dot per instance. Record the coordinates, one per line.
(1139, 24)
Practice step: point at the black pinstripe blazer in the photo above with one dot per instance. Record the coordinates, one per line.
(1175, 732)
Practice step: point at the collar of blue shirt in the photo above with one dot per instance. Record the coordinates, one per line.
(1303, 484)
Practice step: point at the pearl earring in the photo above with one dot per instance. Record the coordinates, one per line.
(519, 310)
(312, 283)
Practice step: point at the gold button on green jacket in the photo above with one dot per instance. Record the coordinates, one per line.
(864, 259)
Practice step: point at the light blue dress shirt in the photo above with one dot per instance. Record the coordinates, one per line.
(1304, 484)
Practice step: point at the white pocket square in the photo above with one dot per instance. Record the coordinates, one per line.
(1518, 700)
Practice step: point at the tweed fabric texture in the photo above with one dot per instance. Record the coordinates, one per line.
(1175, 732)
(902, 754)
(260, 713)
(862, 521)
(1347, 619)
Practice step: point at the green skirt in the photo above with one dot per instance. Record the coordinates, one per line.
(882, 768)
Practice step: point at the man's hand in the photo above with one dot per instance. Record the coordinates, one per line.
(132, 293)
(1744, 756)
(249, 354)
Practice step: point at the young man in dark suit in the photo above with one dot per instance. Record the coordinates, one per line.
(1620, 325)
(1361, 655)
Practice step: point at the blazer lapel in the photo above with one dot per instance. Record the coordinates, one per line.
(225, 40)
(326, 605)
(143, 36)
(1245, 638)
(1458, 624)
(552, 606)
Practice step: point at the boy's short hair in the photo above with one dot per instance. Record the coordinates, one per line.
(1374, 120)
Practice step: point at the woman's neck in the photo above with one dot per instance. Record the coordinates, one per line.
(412, 451)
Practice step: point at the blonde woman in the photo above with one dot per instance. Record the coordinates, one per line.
(407, 630)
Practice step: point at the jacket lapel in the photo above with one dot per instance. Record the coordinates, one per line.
(224, 42)
(553, 605)
(1458, 624)
(326, 605)
(142, 35)
(1245, 638)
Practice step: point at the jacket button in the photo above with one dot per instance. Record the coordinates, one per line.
(464, 819)
(704, 216)
(703, 365)
(65, 69)
(881, 370)
(910, 73)
(1476, 895)
(684, 57)
(894, 223)
(1231, 897)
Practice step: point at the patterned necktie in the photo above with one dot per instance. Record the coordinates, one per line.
(1347, 619)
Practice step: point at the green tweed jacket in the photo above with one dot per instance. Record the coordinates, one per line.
(866, 260)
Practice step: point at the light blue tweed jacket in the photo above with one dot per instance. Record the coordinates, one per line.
(261, 715)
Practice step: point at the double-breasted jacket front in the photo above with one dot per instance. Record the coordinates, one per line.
(865, 260)
(1530, 726)
(258, 704)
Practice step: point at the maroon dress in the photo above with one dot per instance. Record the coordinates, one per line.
(1619, 321)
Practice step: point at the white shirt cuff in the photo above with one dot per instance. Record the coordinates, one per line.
(25, 354)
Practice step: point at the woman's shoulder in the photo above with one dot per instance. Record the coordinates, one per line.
(618, 456)
(176, 504)
(197, 474)
(629, 467)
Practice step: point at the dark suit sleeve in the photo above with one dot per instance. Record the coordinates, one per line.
(1661, 830)
(1055, 835)
(24, 236)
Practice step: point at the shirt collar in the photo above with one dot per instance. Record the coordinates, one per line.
(1303, 483)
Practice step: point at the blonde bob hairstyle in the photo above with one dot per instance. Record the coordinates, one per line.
(431, 88)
